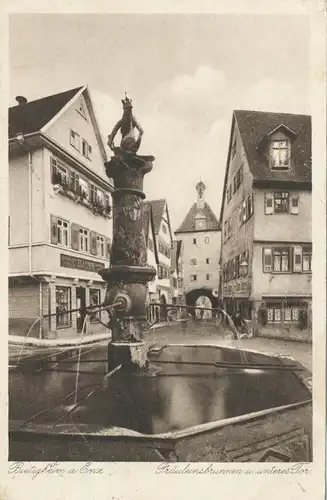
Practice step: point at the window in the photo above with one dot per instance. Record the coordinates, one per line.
(63, 306)
(62, 232)
(234, 147)
(83, 187)
(193, 262)
(193, 277)
(276, 260)
(100, 245)
(206, 239)
(95, 299)
(81, 110)
(238, 179)
(59, 172)
(164, 229)
(306, 258)
(75, 140)
(86, 149)
(8, 230)
(207, 260)
(83, 240)
(286, 312)
(302, 256)
(225, 230)
(281, 203)
(280, 154)
(150, 244)
(229, 193)
(194, 241)
(207, 277)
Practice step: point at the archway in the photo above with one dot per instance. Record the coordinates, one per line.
(194, 295)
(202, 304)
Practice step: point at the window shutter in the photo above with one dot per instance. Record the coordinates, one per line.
(108, 248)
(297, 258)
(269, 203)
(75, 236)
(267, 260)
(54, 230)
(294, 204)
(93, 242)
(244, 211)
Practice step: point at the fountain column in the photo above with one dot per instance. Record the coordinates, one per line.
(128, 273)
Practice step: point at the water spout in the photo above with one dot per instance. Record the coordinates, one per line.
(29, 331)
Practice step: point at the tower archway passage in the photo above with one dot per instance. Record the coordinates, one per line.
(198, 297)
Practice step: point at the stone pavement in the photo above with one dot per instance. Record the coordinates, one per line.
(207, 333)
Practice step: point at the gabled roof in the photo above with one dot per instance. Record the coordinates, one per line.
(188, 224)
(255, 126)
(157, 207)
(147, 223)
(33, 115)
(175, 253)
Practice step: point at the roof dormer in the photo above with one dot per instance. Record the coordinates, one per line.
(277, 145)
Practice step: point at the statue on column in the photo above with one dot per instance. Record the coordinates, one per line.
(127, 124)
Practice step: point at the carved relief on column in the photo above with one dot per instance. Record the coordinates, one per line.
(128, 247)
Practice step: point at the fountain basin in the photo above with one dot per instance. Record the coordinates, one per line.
(192, 410)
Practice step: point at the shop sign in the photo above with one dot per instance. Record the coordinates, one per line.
(238, 286)
(78, 263)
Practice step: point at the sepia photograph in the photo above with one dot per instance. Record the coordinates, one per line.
(160, 303)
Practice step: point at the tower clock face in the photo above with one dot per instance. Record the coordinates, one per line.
(200, 224)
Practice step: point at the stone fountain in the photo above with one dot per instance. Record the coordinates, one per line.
(207, 403)
(128, 274)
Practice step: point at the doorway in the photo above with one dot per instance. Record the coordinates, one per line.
(81, 304)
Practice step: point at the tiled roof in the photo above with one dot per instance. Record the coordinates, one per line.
(157, 212)
(32, 116)
(254, 127)
(188, 224)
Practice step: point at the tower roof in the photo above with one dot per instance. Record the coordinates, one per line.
(188, 224)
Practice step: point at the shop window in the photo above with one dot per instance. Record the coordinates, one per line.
(63, 306)
(95, 299)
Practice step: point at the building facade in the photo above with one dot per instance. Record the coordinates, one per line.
(200, 234)
(59, 214)
(158, 234)
(266, 223)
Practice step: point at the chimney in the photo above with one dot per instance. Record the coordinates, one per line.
(21, 100)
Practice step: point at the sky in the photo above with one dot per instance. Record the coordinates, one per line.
(185, 73)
